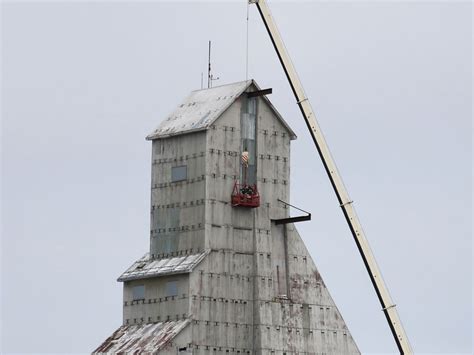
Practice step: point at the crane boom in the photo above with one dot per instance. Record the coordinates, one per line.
(388, 307)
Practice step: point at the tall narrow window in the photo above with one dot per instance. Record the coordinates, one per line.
(249, 125)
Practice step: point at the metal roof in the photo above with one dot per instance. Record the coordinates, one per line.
(147, 267)
(202, 107)
(146, 338)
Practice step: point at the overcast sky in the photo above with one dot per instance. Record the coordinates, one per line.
(83, 83)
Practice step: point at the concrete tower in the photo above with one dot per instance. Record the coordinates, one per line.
(221, 276)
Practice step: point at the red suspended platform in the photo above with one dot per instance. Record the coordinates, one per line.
(244, 195)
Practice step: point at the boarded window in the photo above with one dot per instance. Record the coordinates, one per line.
(172, 288)
(138, 292)
(179, 173)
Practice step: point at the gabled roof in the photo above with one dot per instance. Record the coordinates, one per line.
(203, 107)
(147, 267)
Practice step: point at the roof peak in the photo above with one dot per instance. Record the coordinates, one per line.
(203, 107)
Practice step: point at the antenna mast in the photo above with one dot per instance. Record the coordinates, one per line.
(210, 77)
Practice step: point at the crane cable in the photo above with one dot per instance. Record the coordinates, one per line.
(247, 46)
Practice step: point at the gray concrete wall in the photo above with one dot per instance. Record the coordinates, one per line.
(158, 305)
(310, 322)
(258, 290)
(177, 208)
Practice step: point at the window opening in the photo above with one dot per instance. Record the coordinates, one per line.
(138, 292)
(179, 173)
(172, 288)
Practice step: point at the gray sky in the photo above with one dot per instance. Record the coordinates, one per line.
(83, 83)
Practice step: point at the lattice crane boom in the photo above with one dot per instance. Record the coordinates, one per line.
(388, 307)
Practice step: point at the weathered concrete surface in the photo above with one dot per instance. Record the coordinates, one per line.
(257, 289)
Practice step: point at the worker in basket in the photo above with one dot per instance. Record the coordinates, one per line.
(247, 190)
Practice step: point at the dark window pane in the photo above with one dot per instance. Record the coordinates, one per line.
(138, 292)
(172, 288)
(179, 173)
